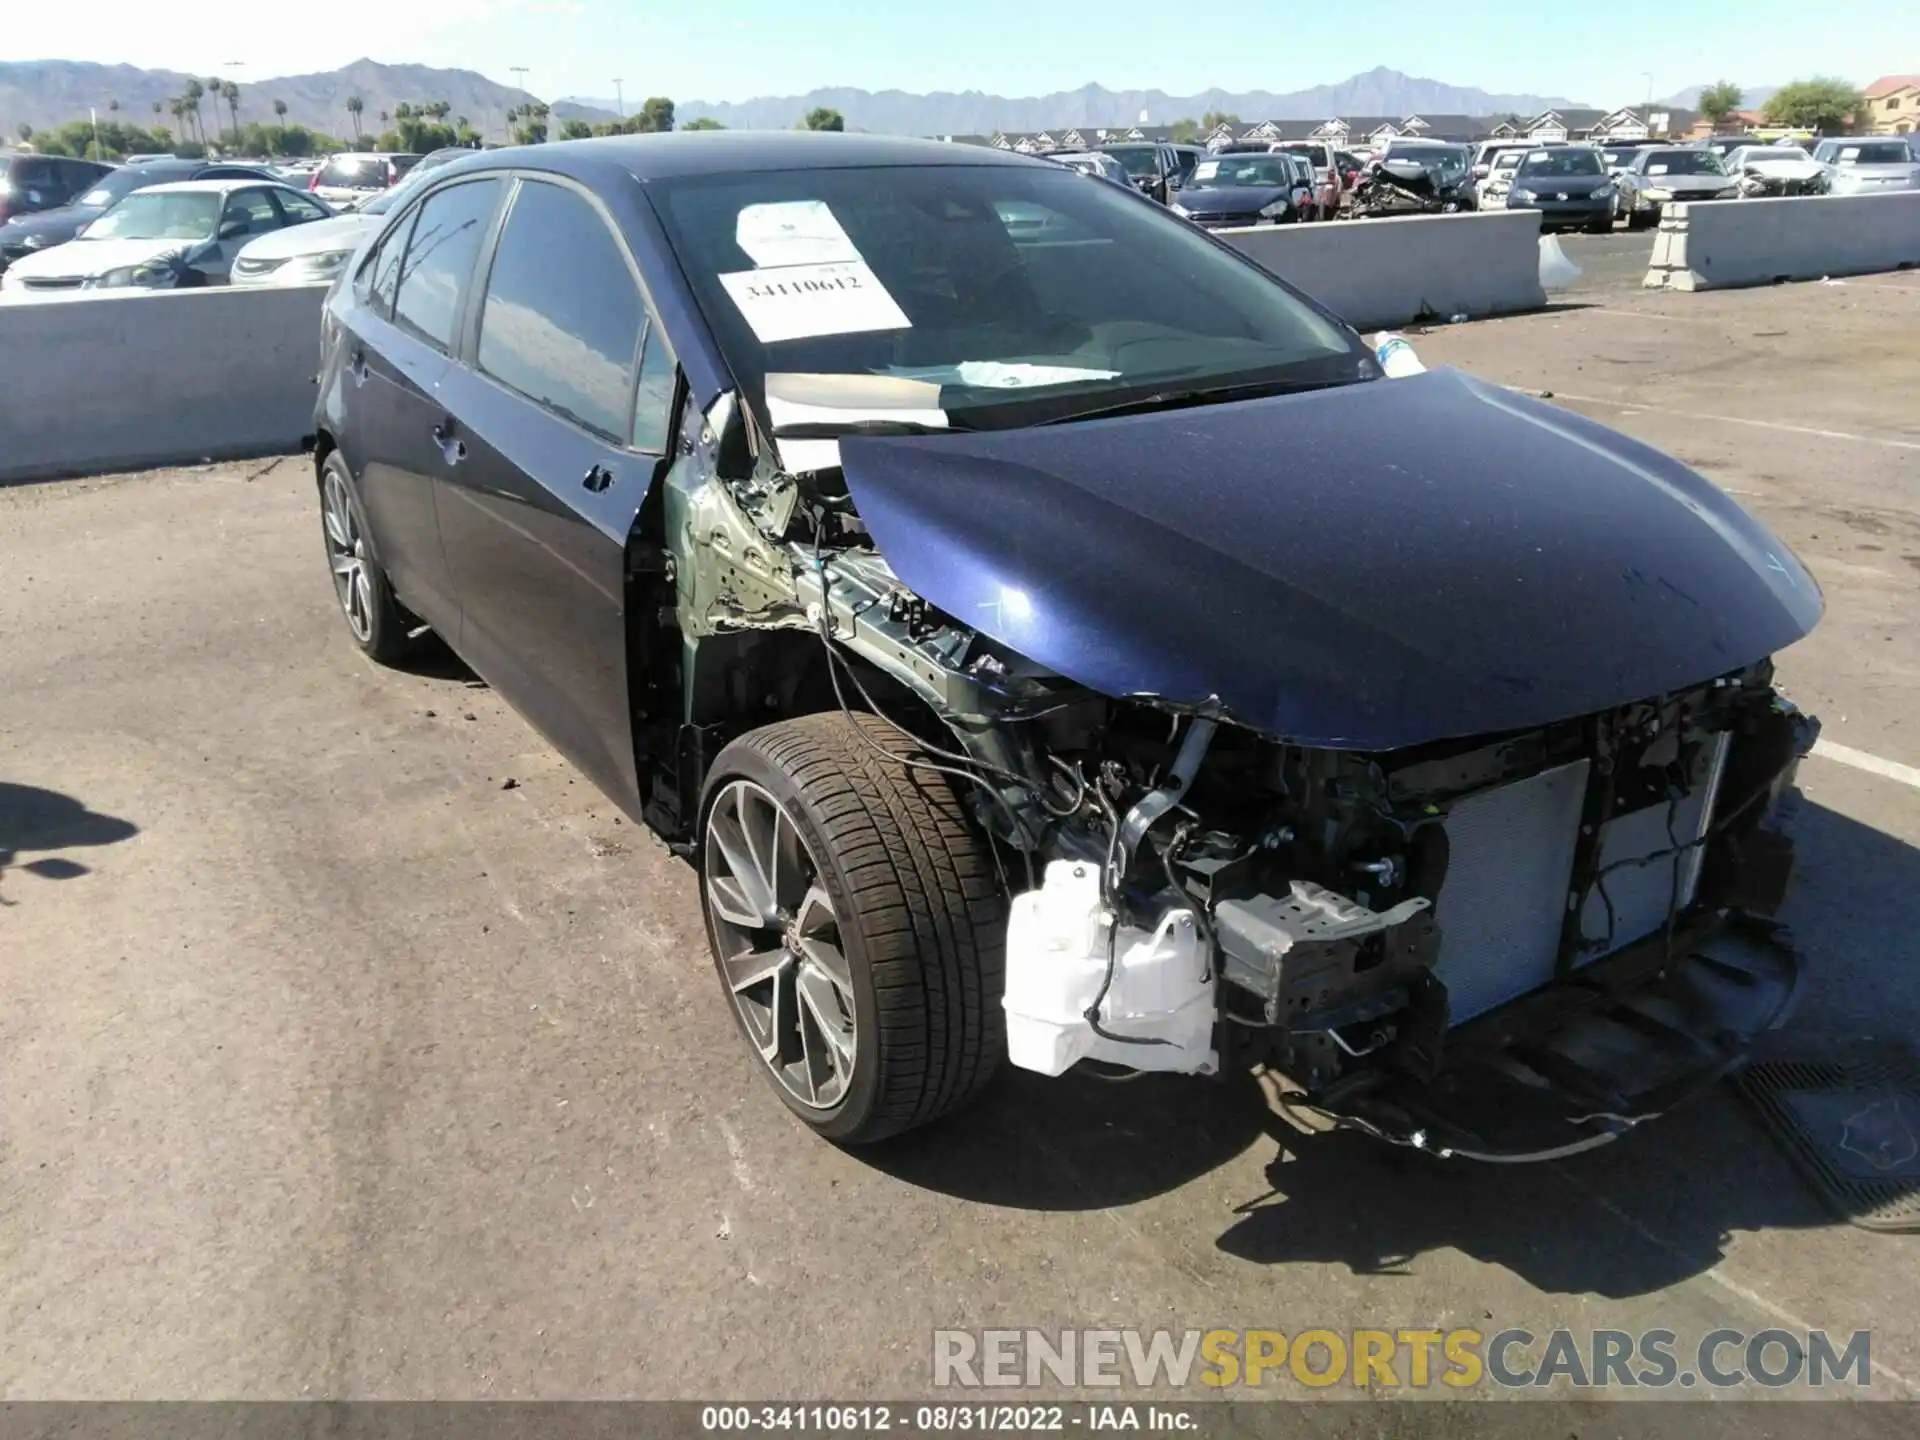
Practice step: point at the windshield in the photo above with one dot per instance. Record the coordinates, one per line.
(1570, 161)
(915, 275)
(1509, 159)
(1265, 170)
(124, 182)
(1620, 154)
(1141, 161)
(146, 215)
(1684, 162)
(1886, 152)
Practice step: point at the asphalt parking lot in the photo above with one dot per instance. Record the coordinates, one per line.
(354, 1047)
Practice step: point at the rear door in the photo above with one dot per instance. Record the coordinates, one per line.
(564, 406)
(413, 302)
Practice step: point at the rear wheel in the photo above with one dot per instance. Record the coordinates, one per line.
(856, 923)
(373, 616)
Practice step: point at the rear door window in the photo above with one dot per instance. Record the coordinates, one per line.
(253, 209)
(439, 260)
(565, 335)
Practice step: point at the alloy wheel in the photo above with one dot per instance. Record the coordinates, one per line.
(347, 549)
(779, 945)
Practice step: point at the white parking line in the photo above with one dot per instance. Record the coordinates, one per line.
(1872, 764)
(1890, 443)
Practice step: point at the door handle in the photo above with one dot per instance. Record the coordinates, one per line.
(451, 445)
(597, 479)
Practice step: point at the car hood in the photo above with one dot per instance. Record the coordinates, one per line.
(1789, 165)
(52, 225)
(1230, 199)
(342, 232)
(1688, 184)
(88, 258)
(1874, 174)
(1570, 185)
(1367, 567)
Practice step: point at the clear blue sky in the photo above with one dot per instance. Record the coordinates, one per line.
(736, 49)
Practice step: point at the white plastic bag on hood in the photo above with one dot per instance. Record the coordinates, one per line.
(1557, 272)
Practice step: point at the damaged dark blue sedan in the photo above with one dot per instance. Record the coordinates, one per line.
(1054, 641)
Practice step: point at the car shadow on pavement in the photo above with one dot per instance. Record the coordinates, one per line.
(33, 819)
(1078, 1143)
(431, 658)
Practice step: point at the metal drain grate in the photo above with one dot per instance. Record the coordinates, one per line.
(1852, 1126)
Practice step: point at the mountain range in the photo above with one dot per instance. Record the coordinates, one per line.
(45, 93)
(1379, 91)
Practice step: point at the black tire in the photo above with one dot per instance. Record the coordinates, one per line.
(921, 915)
(1600, 227)
(1642, 219)
(386, 640)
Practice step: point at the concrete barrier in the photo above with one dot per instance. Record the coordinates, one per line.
(121, 382)
(1374, 273)
(1756, 242)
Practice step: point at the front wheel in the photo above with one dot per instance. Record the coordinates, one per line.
(856, 922)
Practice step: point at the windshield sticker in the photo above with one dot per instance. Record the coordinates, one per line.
(1656, 169)
(797, 302)
(1852, 152)
(793, 232)
(1206, 170)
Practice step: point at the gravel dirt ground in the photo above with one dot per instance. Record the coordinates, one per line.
(352, 1046)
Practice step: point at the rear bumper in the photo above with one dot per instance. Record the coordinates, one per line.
(1584, 1061)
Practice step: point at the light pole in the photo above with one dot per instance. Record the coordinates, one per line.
(521, 71)
(619, 97)
(1649, 75)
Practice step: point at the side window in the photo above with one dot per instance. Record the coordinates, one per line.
(446, 238)
(252, 209)
(564, 334)
(380, 275)
(297, 208)
(653, 397)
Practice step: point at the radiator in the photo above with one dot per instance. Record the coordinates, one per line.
(1510, 866)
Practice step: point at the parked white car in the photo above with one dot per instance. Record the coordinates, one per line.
(1776, 170)
(310, 255)
(164, 237)
(315, 254)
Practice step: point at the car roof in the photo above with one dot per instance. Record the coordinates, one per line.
(373, 155)
(710, 152)
(210, 187)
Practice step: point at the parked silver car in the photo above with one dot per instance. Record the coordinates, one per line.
(1868, 165)
(349, 181)
(1656, 178)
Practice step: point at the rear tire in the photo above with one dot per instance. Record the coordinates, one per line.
(875, 890)
(374, 618)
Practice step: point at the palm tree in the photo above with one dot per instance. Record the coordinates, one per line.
(354, 106)
(213, 92)
(190, 98)
(156, 107)
(280, 111)
(230, 92)
(113, 106)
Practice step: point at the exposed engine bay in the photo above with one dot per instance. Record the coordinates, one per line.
(1506, 946)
